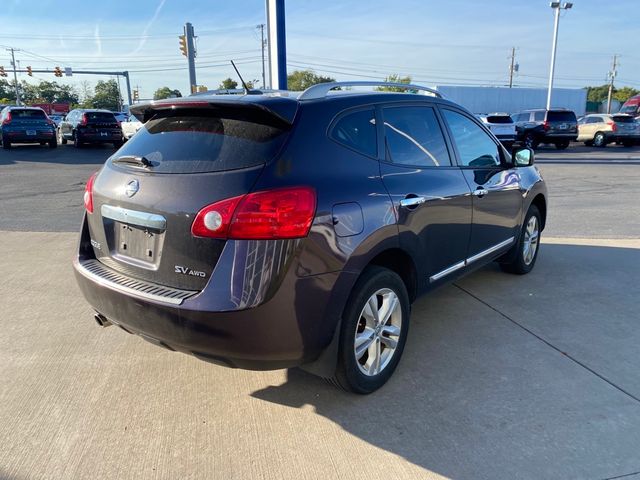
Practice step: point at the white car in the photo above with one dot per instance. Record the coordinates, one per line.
(130, 126)
(502, 126)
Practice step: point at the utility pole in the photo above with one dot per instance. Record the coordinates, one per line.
(191, 56)
(15, 74)
(126, 77)
(513, 67)
(263, 44)
(612, 77)
(557, 6)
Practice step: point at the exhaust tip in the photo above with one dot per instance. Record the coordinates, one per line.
(101, 320)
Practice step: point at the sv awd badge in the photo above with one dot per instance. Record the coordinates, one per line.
(188, 271)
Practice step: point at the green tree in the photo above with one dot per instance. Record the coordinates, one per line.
(106, 95)
(228, 84)
(7, 92)
(597, 94)
(395, 78)
(53, 92)
(300, 80)
(625, 93)
(166, 92)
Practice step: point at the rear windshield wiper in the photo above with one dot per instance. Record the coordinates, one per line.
(134, 160)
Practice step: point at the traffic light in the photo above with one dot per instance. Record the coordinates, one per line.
(29, 71)
(136, 96)
(183, 44)
(2, 72)
(57, 72)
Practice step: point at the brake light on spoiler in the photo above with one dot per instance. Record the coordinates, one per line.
(271, 214)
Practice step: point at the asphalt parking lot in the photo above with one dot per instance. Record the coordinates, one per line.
(503, 377)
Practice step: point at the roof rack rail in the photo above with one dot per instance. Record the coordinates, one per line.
(321, 90)
(240, 91)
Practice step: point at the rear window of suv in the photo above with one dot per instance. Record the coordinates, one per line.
(198, 141)
(499, 119)
(561, 117)
(623, 119)
(100, 117)
(27, 114)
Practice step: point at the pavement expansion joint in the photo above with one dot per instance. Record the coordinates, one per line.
(543, 340)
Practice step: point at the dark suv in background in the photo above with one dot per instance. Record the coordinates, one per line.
(90, 126)
(26, 125)
(558, 127)
(267, 231)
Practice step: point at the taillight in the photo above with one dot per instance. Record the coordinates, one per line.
(271, 214)
(88, 193)
(613, 125)
(83, 122)
(545, 125)
(7, 119)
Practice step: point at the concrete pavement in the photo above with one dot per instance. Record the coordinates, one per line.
(503, 377)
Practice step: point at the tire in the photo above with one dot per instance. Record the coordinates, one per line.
(6, 144)
(358, 374)
(599, 140)
(76, 141)
(627, 144)
(524, 259)
(53, 143)
(530, 141)
(562, 145)
(63, 140)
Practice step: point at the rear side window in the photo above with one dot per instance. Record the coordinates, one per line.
(622, 119)
(561, 116)
(414, 137)
(27, 114)
(538, 116)
(499, 119)
(196, 141)
(357, 130)
(100, 117)
(475, 147)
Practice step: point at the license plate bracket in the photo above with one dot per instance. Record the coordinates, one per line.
(137, 243)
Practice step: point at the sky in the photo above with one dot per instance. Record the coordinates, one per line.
(450, 42)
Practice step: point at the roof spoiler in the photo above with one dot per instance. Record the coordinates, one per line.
(281, 109)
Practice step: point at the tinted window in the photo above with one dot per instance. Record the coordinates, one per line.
(192, 141)
(499, 119)
(27, 114)
(629, 109)
(358, 131)
(475, 147)
(414, 137)
(538, 116)
(561, 117)
(593, 120)
(622, 119)
(100, 117)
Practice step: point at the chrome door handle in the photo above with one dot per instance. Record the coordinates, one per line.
(480, 192)
(412, 201)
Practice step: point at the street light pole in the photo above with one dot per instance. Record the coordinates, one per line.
(557, 7)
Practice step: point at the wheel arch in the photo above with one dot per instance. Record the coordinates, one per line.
(541, 203)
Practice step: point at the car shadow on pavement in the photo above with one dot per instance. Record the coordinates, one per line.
(64, 154)
(509, 376)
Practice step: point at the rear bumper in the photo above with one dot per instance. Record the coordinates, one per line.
(97, 138)
(622, 137)
(22, 137)
(290, 326)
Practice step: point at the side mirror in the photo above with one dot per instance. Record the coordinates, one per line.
(523, 157)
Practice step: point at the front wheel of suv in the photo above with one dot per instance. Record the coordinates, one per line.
(528, 245)
(373, 331)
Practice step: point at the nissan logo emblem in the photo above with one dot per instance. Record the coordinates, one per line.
(131, 188)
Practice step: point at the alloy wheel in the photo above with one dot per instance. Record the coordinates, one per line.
(378, 332)
(531, 237)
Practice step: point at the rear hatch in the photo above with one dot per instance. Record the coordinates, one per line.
(626, 124)
(148, 193)
(97, 123)
(29, 121)
(561, 121)
(501, 125)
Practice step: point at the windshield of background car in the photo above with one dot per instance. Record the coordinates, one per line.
(561, 117)
(629, 108)
(211, 140)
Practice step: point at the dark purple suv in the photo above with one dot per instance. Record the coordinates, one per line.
(273, 230)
